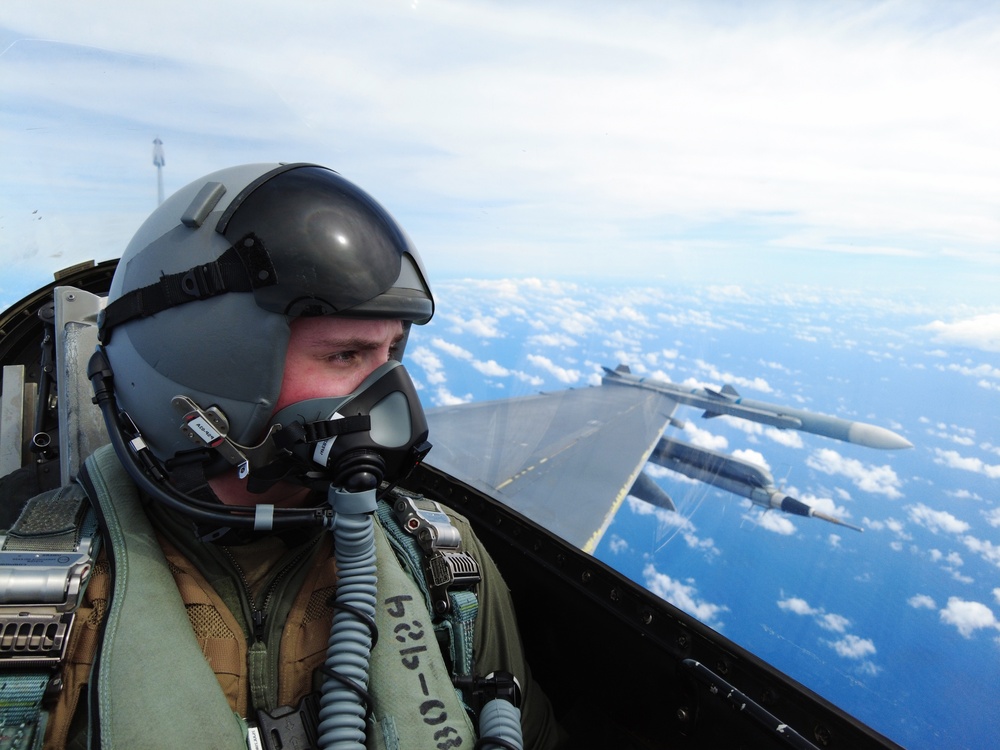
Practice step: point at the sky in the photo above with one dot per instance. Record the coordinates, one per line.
(849, 143)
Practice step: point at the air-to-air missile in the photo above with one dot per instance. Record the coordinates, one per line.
(728, 401)
(733, 474)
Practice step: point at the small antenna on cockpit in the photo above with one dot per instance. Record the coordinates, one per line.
(159, 161)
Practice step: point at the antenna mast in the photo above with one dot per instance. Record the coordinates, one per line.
(158, 161)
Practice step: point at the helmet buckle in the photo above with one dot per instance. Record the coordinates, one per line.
(203, 281)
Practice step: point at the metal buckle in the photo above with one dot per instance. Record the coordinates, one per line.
(446, 567)
(427, 521)
(39, 593)
(450, 570)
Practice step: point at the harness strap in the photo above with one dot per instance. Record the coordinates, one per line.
(459, 624)
(149, 648)
(415, 703)
(46, 558)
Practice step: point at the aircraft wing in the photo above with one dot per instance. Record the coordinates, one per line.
(565, 459)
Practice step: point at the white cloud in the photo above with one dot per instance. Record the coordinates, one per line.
(713, 373)
(980, 332)
(491, 368)
(936, 520)
(752, 456)
(978, 371)
(484, 327)
(834, 622)
(853, 647)
(551, 339)
(444, 397)
(772, 521)
(671, 523)
(921, 601)
(797, 606)
(880, 480)
(849, 646)
(453, 349)
(562, 374)
(787, 438)
(993, 517)
(968, 616)
(432, 365)
(984, 548)
(682, 595)
(704, 438)
(896, 527)
(618, 544)
(954, 460)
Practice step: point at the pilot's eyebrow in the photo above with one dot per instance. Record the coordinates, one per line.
(360, 343)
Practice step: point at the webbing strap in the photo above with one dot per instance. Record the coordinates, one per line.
(59, 520)
(54, 521)
(244, 267)
(460, 622)
(151, 687)
(23, 722)
(415, 703)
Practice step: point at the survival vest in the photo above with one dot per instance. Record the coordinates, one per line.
(155, 683)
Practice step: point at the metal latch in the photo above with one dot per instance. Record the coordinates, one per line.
(39, 593)
(445, 567)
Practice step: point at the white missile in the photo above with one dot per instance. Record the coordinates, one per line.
(733, 475)
(728, 401)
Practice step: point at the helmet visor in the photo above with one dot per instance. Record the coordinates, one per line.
(333, 249)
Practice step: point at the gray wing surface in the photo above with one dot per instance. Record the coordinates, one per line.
(565, 459)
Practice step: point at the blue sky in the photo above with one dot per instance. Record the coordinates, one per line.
(849, 144)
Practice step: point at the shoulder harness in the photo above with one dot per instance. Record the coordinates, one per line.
(45, 562)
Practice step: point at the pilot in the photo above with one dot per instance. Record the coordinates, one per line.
(250, 375)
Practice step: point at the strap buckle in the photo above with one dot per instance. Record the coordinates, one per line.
(39, 593)
(446, 566)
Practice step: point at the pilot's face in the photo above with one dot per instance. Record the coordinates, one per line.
(330, 357)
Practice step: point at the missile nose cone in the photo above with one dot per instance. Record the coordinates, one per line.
(876, 437)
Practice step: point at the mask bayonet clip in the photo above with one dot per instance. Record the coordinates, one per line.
(209, 428)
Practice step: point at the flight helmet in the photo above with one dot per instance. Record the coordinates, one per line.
(203, 297)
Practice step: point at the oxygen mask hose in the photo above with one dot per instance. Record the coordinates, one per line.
(500, 726)
(496, 698)
(344, 700)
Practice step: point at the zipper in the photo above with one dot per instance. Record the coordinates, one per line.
(258, 614)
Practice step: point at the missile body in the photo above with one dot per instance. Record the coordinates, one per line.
(733, 475)
(728, 401)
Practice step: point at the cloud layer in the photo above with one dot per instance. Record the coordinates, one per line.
(828, 141)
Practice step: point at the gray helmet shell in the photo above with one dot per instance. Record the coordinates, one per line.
(334, 251)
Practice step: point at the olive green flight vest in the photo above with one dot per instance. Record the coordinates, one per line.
(151, 686)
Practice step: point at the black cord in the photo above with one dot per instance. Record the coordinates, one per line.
(363, 616)
(354, 687)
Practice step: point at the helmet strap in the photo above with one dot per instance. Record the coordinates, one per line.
(244, 267)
